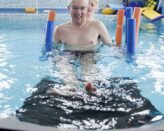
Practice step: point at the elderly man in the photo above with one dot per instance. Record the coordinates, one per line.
(81, 34)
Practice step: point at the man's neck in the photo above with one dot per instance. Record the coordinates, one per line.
(79, 25)
(91, 18)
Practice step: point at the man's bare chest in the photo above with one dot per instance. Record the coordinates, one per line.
(80, 37)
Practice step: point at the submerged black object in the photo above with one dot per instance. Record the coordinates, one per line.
(116, 104)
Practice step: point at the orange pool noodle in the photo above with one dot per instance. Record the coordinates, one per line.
(120, 20)
(137, 15)
(118, 36)
(51, 15)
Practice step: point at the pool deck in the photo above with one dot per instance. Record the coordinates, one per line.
(12, 123)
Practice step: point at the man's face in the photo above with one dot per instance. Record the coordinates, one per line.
(78, 9)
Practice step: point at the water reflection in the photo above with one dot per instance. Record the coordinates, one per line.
(153, 62)
(116, 104)
(6, 81)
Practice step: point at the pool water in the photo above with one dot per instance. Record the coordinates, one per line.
(21, 70)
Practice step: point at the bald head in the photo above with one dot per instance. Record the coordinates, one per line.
(80, 2)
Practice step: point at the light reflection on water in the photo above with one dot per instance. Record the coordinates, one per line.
(153, 60)
(5, 55)
(19, 68)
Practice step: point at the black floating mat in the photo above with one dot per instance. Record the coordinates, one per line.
(117, 103)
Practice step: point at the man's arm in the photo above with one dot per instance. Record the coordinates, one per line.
(104, 35)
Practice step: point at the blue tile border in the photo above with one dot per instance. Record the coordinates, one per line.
(39, 10)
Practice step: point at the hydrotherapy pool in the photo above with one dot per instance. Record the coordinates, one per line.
(21, 39)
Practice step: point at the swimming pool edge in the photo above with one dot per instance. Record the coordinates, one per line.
(12, 123)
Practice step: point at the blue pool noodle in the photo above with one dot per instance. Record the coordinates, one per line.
(49, 31)
(49, 35)
(131, 35)
(128, 13)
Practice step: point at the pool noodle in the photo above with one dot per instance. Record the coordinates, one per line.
(49, 30)
(137, 15)
(131, 27)
(128, 14)
(120, 20)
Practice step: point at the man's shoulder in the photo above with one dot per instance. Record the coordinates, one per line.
(64, 25)
(96, 22)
